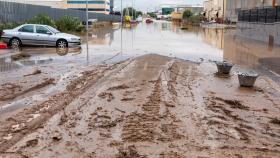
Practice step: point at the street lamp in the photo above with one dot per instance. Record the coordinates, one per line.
(87, 27)
(121, 26)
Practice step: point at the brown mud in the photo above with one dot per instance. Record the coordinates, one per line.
(10, 91)
(151, 106)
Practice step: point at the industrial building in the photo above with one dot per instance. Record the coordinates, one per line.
(221, 10)
(96, 6)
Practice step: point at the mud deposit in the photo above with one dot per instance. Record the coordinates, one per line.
(149, 107)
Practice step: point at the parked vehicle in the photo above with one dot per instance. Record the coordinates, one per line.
(34, 34)
(140, 19)
(148, 21)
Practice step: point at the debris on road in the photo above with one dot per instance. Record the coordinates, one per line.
(36, 71)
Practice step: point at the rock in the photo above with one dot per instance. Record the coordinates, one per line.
(32, 143)
(57, 137)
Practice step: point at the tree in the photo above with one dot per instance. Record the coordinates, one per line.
(152, 15)
(139, 13)
(187, 14)
(131, 10)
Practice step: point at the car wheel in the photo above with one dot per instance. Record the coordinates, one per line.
(15, 43)
(62, 44)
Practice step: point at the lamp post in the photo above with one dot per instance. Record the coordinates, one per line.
(87, 28)
(121, 26)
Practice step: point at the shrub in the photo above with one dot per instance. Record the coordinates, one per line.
(187, 14)
(152, 15)
(195, 19)
(42, 19)
(68, 24)
(8, 26)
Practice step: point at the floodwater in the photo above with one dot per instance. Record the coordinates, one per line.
(164, 38)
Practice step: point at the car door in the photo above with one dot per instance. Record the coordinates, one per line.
(27, 35)
(44, 35)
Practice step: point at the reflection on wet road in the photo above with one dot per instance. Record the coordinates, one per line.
(163, 38)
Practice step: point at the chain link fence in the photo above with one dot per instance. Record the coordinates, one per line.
(19, 12)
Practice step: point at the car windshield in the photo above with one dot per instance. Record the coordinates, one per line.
(53, 29)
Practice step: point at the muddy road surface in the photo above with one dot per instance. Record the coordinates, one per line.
(148, 107)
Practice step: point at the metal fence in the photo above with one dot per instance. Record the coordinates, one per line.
(18, 12)
(260, 15)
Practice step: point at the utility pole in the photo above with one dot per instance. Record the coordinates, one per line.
(121, 26)
(224, 11)
(87, 28)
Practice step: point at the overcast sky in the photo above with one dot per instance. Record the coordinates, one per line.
(150, 5)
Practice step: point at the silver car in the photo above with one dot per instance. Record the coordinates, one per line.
(34, 34)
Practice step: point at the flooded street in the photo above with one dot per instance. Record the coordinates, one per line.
(150, 91)
(164, 38)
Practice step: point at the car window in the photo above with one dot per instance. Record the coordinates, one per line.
(42, 30)
(27, 28)
(53, 29)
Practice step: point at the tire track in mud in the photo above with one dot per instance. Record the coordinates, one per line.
(47, 109)
(225, 118)
(174, 71)
(151, 125)
(140, 127)
(11, 91)
(228, 123)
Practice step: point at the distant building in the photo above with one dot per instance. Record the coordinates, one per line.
(177, 15)
(167, 9)
(233, 6)
(214, 9)
(176, 11)
(97, 6)
(228, 9)
(111, 5)
(196, 9)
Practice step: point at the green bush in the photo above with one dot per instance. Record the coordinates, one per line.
(195, 19)
(42, 19)
(8, 26)
(69, 24)
(187, 14)
(65, 23)
(139, 13)
(152, 15)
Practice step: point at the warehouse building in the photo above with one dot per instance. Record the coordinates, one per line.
(96, 6)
